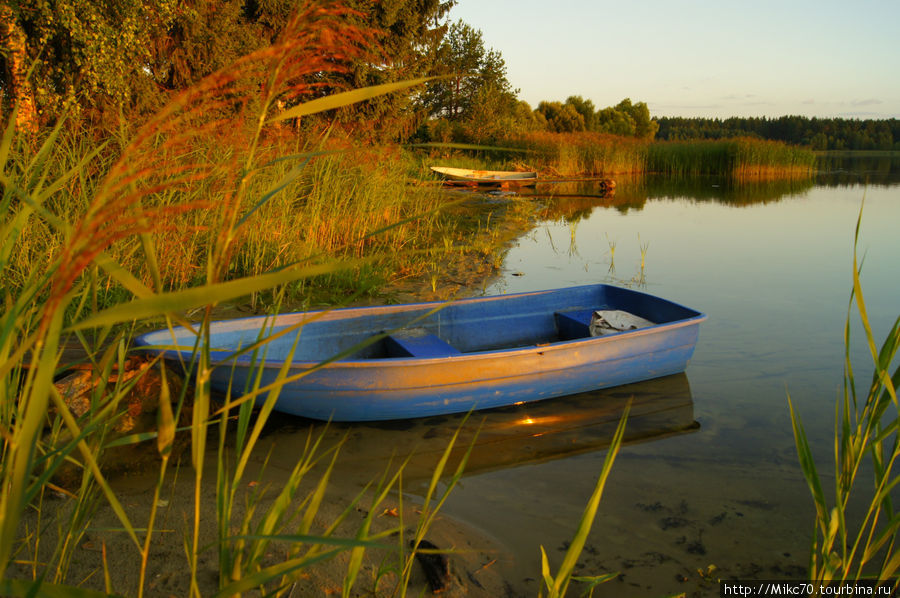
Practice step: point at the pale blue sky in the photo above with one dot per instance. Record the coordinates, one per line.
(714, 58)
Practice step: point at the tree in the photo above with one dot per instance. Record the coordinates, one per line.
(83, 52)
(586, 109)
(411, 34)
(615, 122)
(627, 119)
(561, 118)
(644, 127)
(469, 69)
(202, 37)
(100, 56)
(14, 68)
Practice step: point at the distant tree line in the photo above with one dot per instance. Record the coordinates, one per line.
(817, 133)
(98, 62)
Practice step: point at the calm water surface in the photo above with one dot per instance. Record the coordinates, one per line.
(709, 476)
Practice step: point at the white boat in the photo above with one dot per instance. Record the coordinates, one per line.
(486, 177)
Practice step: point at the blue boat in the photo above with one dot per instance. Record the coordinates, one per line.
(416, 360)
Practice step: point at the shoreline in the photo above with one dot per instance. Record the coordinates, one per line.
(479, 565)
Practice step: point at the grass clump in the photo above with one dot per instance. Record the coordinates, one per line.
(849, 543)
(584, 153)
(319, 200)
(169, 222)
(741, 158)
(597, 154)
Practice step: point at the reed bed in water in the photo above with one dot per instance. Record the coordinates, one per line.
(585, 153)
(593, 154)
(741, 158)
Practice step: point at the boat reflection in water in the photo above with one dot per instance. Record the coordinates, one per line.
(500, 438)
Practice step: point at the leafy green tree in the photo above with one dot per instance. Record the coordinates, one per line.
(644, 127)
(615, 122)
(84, 53)
(469, 70)
(202, 37)
(628, 120)
(586, 109)
(99, 56)
(494, 114)
(561, 118)
(411, 35)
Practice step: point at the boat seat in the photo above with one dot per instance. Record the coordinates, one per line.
(417, 342)
(573, 324)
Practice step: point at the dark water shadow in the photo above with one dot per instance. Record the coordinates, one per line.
(500, 438)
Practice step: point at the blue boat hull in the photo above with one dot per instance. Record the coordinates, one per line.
(476, 353)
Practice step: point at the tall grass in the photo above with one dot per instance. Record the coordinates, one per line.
(583, 153)
(185, 202)
(325, 204)
(741, 158)
(209, 201)
(594, 154)
(849, 544)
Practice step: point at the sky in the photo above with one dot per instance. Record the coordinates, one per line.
(701, 58)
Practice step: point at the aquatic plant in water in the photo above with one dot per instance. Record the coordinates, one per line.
(847, 545)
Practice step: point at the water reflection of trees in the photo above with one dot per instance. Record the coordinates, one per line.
(723, 190)
(572, 202)
(843, 170)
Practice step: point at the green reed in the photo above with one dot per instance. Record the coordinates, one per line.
(582, 153)
(190, 172)
(847, 546)
(558, 585)
(320, 205)
(594, 154)
(741, 158)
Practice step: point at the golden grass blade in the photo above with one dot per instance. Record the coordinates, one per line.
(889, 569)
(357, 553)
(26, 589)
(808, 466)
(564, 576)
(29, 423)
(155, 305)
(166, 418)
(92, 464)
(545, 572)
(346, 98)
(429, 512)
(275, 572)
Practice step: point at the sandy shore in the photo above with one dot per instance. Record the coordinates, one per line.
(475, 564)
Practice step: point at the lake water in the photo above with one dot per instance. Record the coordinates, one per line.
(709, 476)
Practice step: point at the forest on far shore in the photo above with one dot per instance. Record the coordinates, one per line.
(820, 134)
(105, 65)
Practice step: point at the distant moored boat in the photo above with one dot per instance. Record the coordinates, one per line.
(486, 177)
